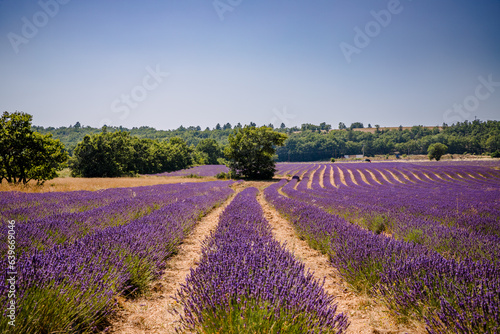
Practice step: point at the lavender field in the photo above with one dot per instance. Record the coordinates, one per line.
(422, 239)
(74, 252)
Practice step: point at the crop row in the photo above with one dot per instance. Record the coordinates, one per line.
(456, 218)
(451, 295)
(70, 286)
(247, 282)
(124, 206)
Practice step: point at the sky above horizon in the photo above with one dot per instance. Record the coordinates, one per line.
(169, 63)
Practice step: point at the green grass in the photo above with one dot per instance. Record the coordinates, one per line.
(250, 316)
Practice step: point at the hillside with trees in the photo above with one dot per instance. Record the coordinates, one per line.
(318, 142)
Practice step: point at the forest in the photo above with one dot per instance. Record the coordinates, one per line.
(321, 142)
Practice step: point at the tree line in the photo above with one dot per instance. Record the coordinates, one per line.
(37, 153)
(311, 142)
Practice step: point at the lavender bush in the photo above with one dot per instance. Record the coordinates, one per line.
(247, 282)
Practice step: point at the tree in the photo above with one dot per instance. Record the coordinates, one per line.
(250, 152)
(342, 126)
(436, 151)
(27, 155)
(107, 154)
(211, 150)
(356, 125)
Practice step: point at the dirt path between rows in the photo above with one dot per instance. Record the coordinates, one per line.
(153, 313)
(365, 314)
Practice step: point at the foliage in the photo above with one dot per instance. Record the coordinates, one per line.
(495, 154)
(436, 151)
(112, 154)
(319, 142)
(210, 150)
(26, 155)
(250, 151)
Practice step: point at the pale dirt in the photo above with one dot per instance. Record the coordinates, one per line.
(311, 177)
(332, 180)
(342, 176)
(93, 184)
(352, 177)
(372, 176)
(366, 315)
(153, 313)
(322, 177)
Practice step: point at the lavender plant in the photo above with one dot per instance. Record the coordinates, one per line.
(247, 282)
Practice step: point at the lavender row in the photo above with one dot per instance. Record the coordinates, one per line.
(46, 232)
(204, 170)
(71, 287)
(247, 282)
(419, 214)
(370, 213)
(451, 296)
(29, 206)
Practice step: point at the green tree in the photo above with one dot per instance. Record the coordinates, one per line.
(27, 155)
(211, 149)
(107, 154)
(436, 151)
(250, 152)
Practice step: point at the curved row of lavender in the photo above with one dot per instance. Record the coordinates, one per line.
(458, 217)
(70, 286)
(452, 292)
(204, 170)
(247, 282)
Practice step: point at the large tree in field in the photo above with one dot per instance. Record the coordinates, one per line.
(26, 155)
(250, 152)
(436, 151)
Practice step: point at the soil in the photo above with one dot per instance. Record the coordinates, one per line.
(154, 312)
(366, 315)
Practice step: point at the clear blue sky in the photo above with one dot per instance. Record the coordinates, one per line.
(185, 62)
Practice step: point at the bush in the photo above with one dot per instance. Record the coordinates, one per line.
(436, 151)
(495, 154)
(332, 160)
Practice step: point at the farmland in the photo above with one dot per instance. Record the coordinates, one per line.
(417, 243)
